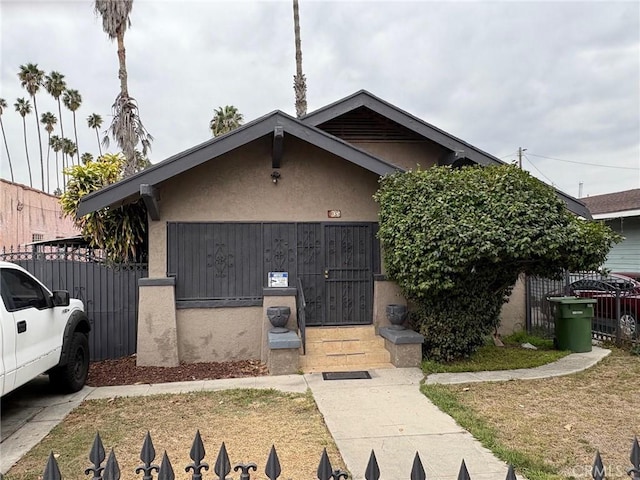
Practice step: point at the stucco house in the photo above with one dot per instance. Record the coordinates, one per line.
(621, 212)
(29, 215)
(281, 194)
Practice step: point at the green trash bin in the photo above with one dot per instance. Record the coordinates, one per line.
(573, 323)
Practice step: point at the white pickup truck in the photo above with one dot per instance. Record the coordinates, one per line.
(40, 332)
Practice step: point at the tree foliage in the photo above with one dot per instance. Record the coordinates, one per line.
(225, 119)
(456, 241)
(120, 232)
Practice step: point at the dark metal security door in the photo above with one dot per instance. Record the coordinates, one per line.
(348, 274)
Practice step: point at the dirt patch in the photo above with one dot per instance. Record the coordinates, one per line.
(124, 371)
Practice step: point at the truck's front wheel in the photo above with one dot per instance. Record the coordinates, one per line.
(72, 376)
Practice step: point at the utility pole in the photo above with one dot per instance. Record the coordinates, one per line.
(520, 152)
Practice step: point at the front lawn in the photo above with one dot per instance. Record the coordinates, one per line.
(509, 357)
(551, 428)
(248, 421)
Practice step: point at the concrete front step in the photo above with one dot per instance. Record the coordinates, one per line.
(343, 349)
(365, 332)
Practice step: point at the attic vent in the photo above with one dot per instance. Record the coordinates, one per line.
(363, 124)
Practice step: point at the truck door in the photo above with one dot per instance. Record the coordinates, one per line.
(7, 342)
(34, 325)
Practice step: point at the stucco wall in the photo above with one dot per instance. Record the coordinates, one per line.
(513, 316)
(404, 154)
(385, 293)
(219, 334)
(238, 187)
(25, 211)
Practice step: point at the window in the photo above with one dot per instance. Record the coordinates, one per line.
(216, 264)
(20, 291)
(37, 237)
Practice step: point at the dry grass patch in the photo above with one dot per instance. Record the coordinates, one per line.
(248, 421)
(562, 421)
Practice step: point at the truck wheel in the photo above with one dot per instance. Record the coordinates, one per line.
(72, 376)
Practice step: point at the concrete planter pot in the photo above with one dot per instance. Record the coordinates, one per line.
(397, 315)
(278, 316)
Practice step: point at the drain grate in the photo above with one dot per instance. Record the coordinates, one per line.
(357, 375)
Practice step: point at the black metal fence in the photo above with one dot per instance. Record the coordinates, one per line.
(272, 470)
(615, 311)
(109, 292)
(301, 307)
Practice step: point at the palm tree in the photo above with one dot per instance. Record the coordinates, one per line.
(23, 107)
(299, 80)
(31, 78)
(48, 119)
(86, 158)
(55, 142)
(70, 149)
(126, 127)
(72, 100)
(224, 120)
(54, 84)
(95, 121)
(3, 106)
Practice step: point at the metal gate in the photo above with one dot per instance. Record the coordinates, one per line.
(109, 293)
(348, 275)
(335, 265)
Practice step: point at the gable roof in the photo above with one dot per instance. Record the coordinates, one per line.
(306, 129)
(366, 99)
(617, 204)
(128, 189)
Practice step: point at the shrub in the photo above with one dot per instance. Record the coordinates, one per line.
(456, 240)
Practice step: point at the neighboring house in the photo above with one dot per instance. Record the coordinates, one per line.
(28, 215)
(278, 194)
(621, 212)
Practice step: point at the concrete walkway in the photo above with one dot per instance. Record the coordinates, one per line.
(386, 413)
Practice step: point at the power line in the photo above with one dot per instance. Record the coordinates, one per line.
(539, 171)
(510, 155)
(584, 163)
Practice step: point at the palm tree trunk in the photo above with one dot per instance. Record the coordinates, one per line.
(26, 149)
(75, 130)
(35, 107)
(57, 172)
(122, 61)
(48, 168)
(98, 139)
(299, 82)
(4, 138)
(62, 135)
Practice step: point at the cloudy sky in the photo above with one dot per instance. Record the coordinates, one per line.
(561, 79)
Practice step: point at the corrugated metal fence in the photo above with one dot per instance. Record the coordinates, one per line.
(109, 293)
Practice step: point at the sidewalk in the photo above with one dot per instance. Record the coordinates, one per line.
(386, 413)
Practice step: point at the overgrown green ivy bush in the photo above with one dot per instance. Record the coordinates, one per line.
(456, 240)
